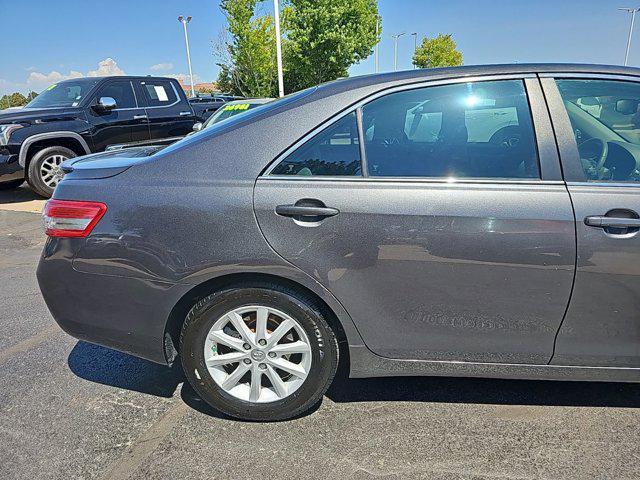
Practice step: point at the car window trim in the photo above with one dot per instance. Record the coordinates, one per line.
(565, 136)
(144, 92)
(412, 86)
(116, 80)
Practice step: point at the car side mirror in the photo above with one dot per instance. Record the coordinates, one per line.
(197, 127)
(105, 104)
(627, 106)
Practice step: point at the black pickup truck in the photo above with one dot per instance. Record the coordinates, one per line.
(85, 115)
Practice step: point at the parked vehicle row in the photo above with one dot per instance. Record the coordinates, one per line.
(472, 221)
(84, 115)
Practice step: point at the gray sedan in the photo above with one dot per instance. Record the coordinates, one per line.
(472, 221)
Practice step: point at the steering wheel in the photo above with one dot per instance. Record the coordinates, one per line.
(599, 158)
(507, 137)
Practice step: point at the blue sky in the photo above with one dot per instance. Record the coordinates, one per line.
(62, 38)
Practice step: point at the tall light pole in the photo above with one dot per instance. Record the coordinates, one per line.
(276, 16)
(184, 22)
(415, 46)
(395, 49)
(377, 50)
(632, 11)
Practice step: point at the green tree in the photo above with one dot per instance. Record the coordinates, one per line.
(321, 40)
(326, 37)
(15, 99)
(249, 68)
(440, 51)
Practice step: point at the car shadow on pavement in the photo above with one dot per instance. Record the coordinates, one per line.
(19, 195)
(109, 367)
(485, 391)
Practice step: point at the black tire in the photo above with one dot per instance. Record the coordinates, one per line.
(34, 177)
(11, 184)
(324, 350)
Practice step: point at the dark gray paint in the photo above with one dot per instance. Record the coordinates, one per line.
(185, 215)
(434, 270)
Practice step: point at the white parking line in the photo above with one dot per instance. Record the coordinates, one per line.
(144, 445)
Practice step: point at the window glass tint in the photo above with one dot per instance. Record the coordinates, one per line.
(468, 130)
(605, 118)
(121, 92)
(65, 94)
(334, 151)
(159, 92)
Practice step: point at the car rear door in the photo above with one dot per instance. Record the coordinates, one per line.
(168, 111)
(597, 121)
(435, 217)
(127, 123)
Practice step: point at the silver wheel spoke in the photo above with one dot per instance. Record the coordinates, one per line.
(257, 353)
(231, 342)
(289, 367)
(261, 323)
(280, 332)
(241, 327)
(235, 376)
(256, 380)
(225, 359)
(278, 385)
(293, 347)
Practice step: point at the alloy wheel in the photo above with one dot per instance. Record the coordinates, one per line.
(257, 354)
(50, 170)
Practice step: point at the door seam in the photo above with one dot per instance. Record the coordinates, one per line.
(575, 225)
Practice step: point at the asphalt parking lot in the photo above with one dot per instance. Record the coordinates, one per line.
(71, 410)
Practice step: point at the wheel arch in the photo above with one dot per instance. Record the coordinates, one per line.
(335, 314)
(71, 140)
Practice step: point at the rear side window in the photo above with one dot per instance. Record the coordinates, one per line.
(335, 151)
(121, 91)
(159, 93)
(467, 130)
(605, 116)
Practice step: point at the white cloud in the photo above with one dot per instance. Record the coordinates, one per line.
(106, 67)
(161, 67)
(38, 81)
(184, 77)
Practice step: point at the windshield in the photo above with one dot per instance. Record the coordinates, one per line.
(228, 111)
(64, 94)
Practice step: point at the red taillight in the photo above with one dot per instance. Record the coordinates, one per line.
(71, 218)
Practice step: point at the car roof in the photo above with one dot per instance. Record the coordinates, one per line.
(424, 74)
(119, 77)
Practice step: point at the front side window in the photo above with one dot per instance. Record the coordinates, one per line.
(466, 130)
(159, 93)
(335, 151)
(605, 118)
(121, 91)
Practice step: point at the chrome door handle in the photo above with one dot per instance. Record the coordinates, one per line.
(612, 222)
(139, 117)
(184, 114)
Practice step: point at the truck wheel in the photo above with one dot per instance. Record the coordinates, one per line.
(11, 184)
(44, 170)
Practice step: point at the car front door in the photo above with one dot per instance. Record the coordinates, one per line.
(436, 218)
(598, 123)
(170, 116)
(127, 123)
